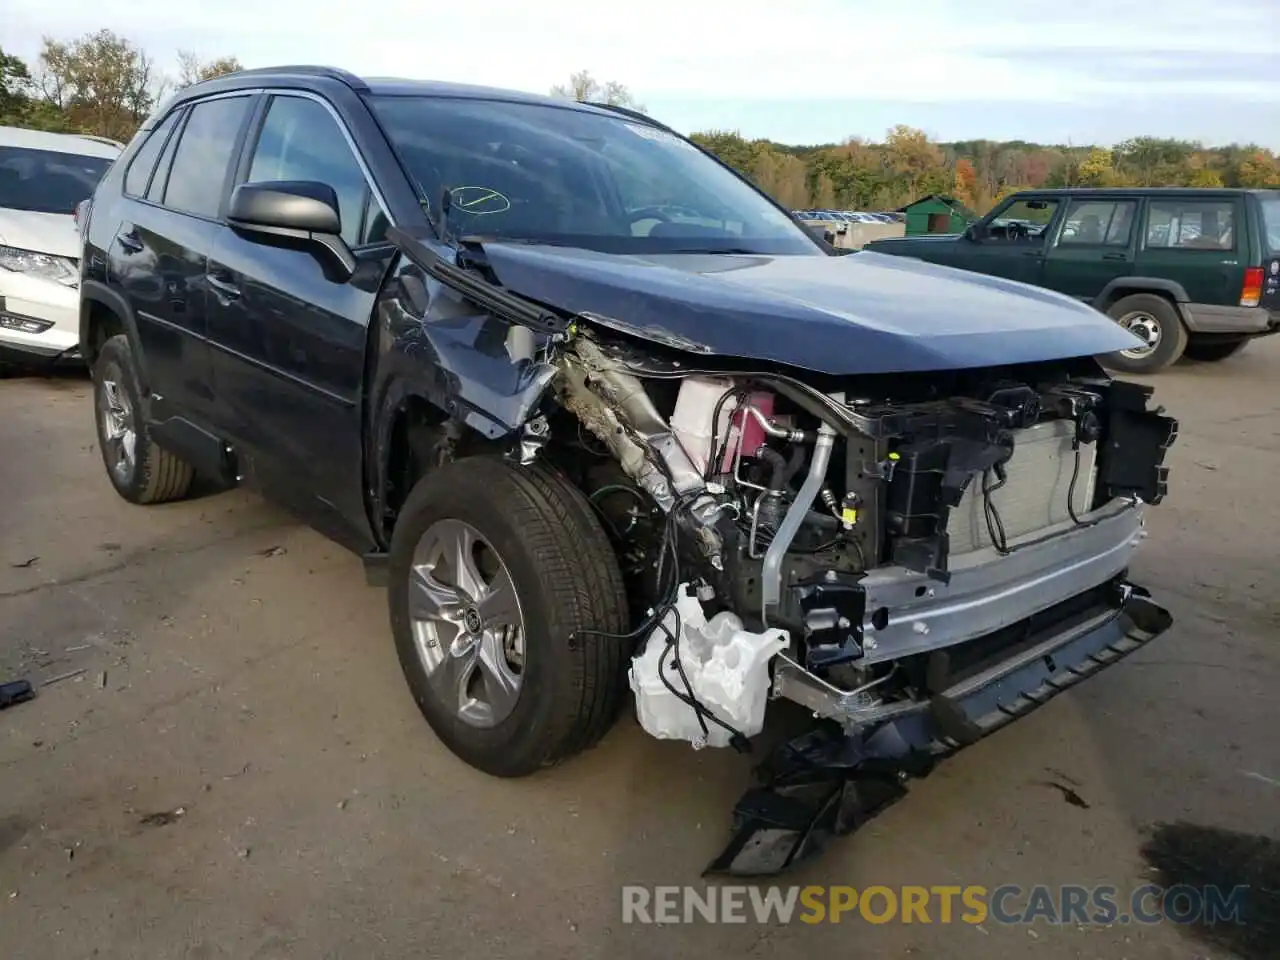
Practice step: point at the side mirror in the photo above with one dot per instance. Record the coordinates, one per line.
(973, 232)
(299, 212)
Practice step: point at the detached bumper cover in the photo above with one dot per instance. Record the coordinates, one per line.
(825, 784)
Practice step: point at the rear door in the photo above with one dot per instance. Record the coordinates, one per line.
(1196, 242)
(158, 256)
(1094, 246)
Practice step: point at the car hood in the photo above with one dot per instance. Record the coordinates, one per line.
(53, 233)
(860, 313)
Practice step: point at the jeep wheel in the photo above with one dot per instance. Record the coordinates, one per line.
(139, 469)
(1154, 320)
(1211, 351)
(496, 571)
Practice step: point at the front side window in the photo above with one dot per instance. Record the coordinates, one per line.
(143, 163)
(200, 162)
(1191, 224)
(300, 140)
(47, 181)
(545, 173)
(1022, 221)
(1098, 223)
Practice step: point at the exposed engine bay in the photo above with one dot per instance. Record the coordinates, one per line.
(915, 559)
(859, 548)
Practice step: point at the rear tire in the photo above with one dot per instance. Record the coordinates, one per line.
(141, 470)
(1156, 320)
(552, 552)
(1211, 351)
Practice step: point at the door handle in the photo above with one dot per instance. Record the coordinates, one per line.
(219, 278)
(1115, 256)
(129, 242)
(1033, 253)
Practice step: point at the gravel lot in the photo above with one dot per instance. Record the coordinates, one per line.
(237, 669)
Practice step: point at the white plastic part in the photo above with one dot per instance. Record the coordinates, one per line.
(695, 408)
(727, 668)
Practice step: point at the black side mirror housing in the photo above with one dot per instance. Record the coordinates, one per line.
(973, 232)
(293, 212)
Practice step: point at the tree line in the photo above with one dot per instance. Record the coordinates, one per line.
(100, 83)
(103, 84)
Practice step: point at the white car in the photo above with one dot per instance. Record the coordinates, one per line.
(43, 178)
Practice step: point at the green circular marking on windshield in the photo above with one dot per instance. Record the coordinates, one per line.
(479, 201)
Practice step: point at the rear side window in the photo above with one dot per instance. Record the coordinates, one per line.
(1191, 225)
(1106, 223)
(300, 140)
(204, 151)
(144, 161)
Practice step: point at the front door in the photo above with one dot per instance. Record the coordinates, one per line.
(1011, 242)
(288, 339)
(1093, 247)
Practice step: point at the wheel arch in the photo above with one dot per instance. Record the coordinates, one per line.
(104, 313)
(1122, 287)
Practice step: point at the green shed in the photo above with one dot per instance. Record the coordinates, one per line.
(937, 213)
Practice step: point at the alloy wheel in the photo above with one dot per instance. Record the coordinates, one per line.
(467, 623)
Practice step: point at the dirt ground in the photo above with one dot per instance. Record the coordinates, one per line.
(237, 669)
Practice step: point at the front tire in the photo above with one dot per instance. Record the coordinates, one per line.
(1155, 320)
(495, 571)
(1211, 351)
(141, 470)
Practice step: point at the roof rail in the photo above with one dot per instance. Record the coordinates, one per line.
(307, 70)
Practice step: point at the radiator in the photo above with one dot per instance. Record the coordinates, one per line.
(1035, 495)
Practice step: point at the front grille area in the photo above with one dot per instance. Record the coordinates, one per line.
(1035, 496)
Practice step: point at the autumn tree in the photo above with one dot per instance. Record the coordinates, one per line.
(191, 69)
(917, 161)
(1097, 170)
(582, 86)
(101, 82)
(966, 185)
(1258, 169)
(20, 104)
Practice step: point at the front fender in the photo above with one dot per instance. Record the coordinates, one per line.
(452, 355)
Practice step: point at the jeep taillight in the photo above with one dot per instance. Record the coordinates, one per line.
(1251, 292)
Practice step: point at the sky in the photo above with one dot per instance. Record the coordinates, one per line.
(794, 71)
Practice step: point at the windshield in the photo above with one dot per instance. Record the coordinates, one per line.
(543, 173)
(47, 181)
(1271, 223)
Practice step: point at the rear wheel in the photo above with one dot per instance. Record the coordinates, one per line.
(1155, 321)
(140, 469)
(495, 572)
(1210, 351)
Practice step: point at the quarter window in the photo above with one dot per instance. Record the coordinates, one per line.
(144, 161)
(1098, 223)
(200, 163)
(1191, 224)
(300, 140)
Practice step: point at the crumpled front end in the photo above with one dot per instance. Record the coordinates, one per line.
(915, 561)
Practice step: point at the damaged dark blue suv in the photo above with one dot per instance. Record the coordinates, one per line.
(610, 423)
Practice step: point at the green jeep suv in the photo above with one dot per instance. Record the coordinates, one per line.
(1188, 271)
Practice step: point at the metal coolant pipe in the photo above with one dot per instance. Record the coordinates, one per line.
(771, 573)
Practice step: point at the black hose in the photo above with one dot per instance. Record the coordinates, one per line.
(794, 465)
(778, 479)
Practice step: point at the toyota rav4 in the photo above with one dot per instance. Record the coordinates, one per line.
(610, 423)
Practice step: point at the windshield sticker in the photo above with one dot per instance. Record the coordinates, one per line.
(478, 201)
(658, 136)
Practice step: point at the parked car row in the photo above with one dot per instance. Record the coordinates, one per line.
(852, 216)
(43, 179)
